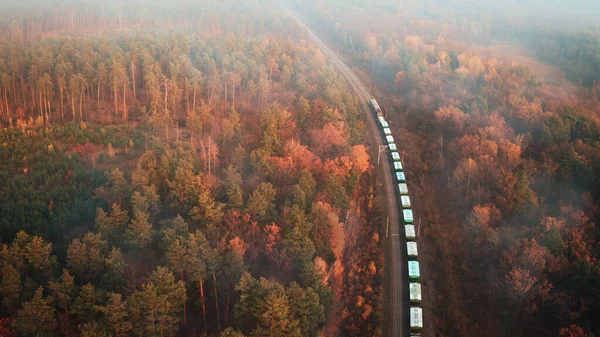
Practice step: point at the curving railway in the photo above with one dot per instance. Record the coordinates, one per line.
(405, 289)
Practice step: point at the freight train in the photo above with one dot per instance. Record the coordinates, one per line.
(410, 237)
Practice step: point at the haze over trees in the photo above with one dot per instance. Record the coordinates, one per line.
(181, 169)
(198, 168)
(504, 148)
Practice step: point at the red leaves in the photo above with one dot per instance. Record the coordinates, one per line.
(86, 149)
(6, 329)
(68, 176)
(572, 331)
(330, 139)
(519, 282)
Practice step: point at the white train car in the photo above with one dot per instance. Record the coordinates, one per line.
(393, 147)
(405, 201)
(395, 156)
(414, 273)
(398, 166)
(400, 177)
(411, 250)
(414, 290)
(403, 188)
(409, 232)
(408, 216)
(416, 320)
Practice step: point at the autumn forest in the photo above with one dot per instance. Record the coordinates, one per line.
(201, 169)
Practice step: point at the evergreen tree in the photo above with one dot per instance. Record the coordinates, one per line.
(84, 306)
(10, 287)
(231, 332)
(261, 200)
(36, 318)
(306, 307)
(264, 309)
(93, 329)
(139, 234)
(156, 309)
(62, 292)
(116, 316)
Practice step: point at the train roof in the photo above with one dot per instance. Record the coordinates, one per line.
(415, 291)
(395, 156)
(416, 318)
(405, 200)
(393, 147)
(411, 248)
(387, 131)
(398, 166)
(408, 215)
(413, 269)
(390, 139)
(409, 231)
(403, 188)
(400, 177)
(384, 123)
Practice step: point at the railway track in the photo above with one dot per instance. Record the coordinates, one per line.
(399, 281)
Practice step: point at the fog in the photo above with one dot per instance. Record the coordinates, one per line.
(572, 11)
(233, 133)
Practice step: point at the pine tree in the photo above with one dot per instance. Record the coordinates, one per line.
(116, 316)
(261, 200)
(62, 292)
(85, 257)
(84, 306)
(231, 332)
(264, 309)
(93, 329)
(139, 234)
(157, 307)
(37, 317)
(173, 229)
(114, 276)
(10, 287)
(112, 226)
(306, 307)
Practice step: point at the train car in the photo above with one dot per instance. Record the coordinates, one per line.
(376, 107)
(393, 147)
(384, 124)
(381, 119)
(409, 232)
(414, 272)
(405, 201)
(395, 156)
(403, 188)
(408, 216)
(397, 166)
(387, 131)
(411, 250)
(416, 321)
(390, 139)
(414, 290)
(400, 177)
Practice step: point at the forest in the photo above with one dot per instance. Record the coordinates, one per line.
(201, 169)
(180, 170)
(507, 156)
